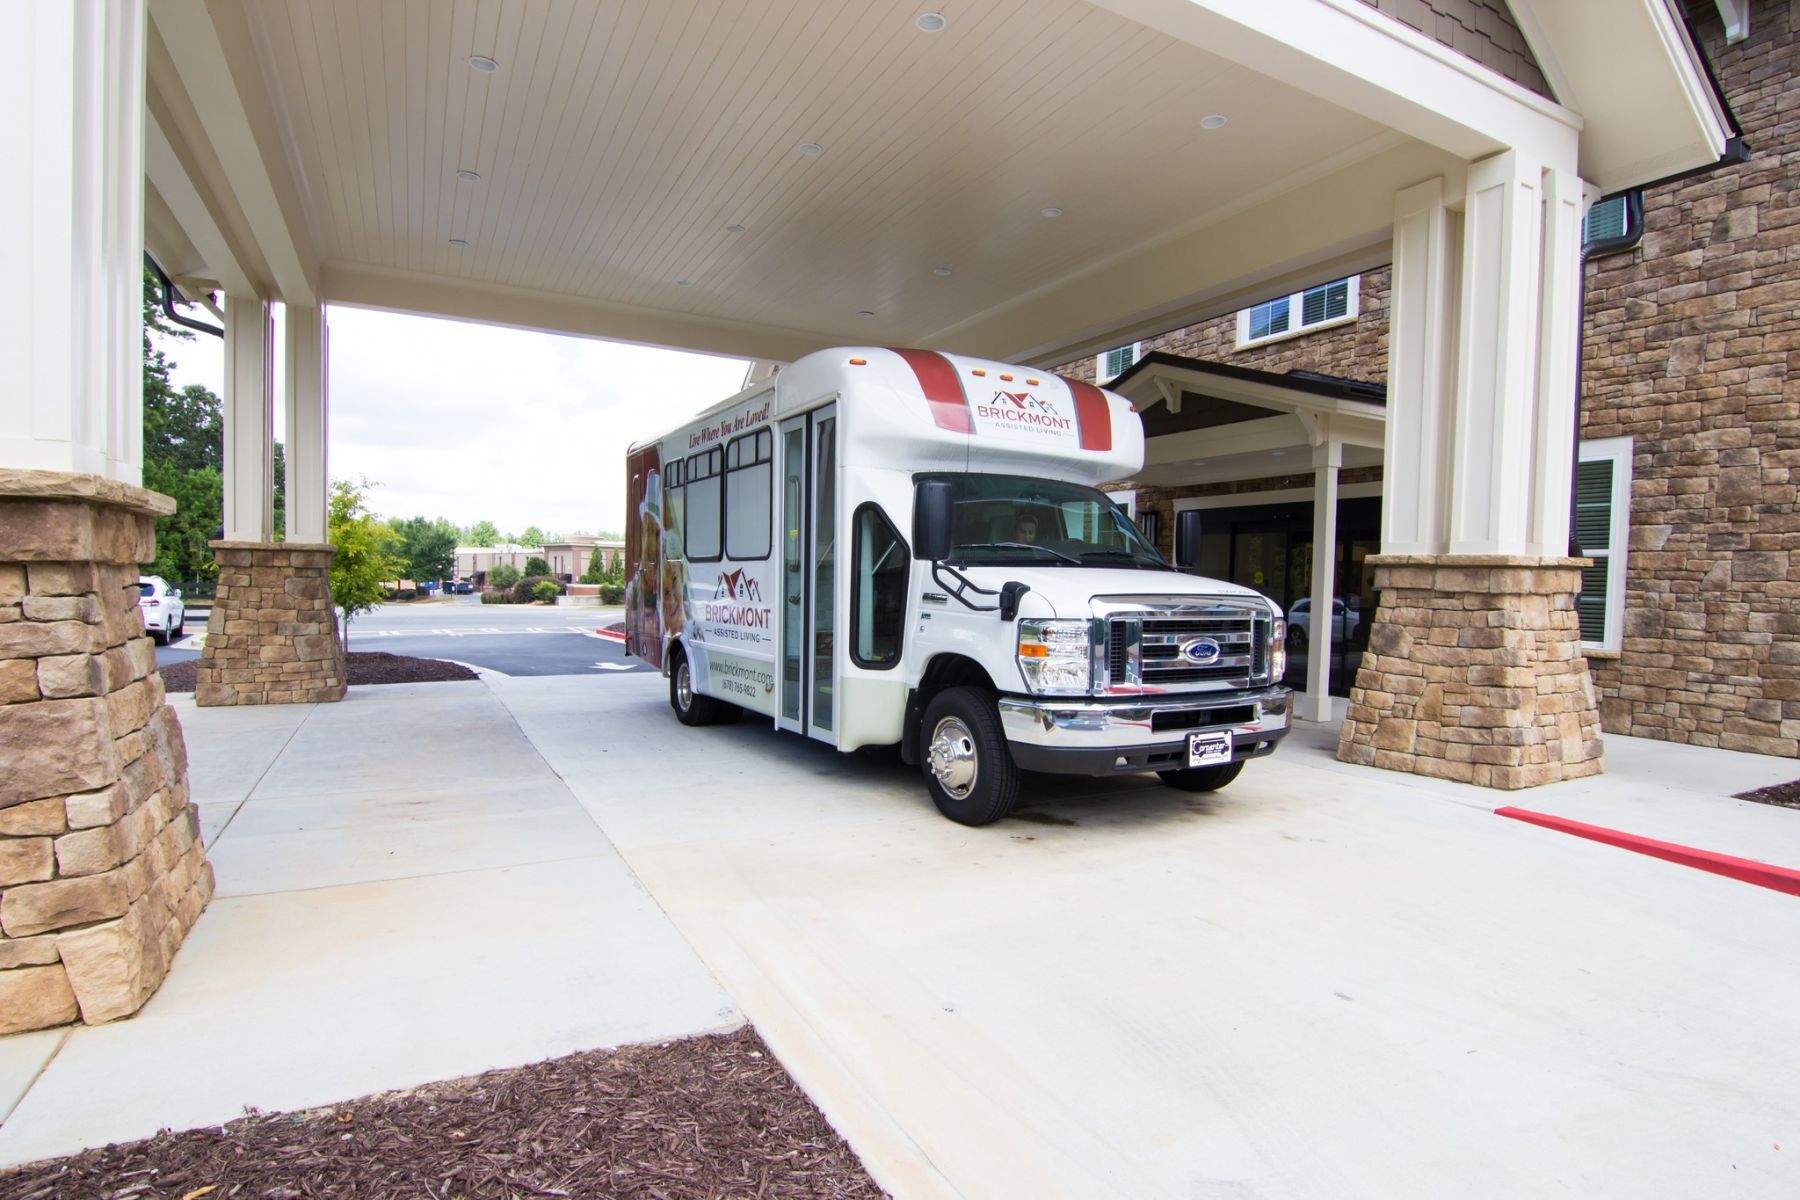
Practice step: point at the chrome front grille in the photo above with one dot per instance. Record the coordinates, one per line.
(1145, 641)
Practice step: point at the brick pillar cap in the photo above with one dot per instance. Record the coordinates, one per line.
(307, 547)
(17, 483)
(1475, 560)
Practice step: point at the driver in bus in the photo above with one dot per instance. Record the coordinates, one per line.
(1025, 529)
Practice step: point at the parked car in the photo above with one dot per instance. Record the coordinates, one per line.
(165, 616)
(1343, 622)
(464, 588)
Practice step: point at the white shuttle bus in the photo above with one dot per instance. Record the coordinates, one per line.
(900, 547)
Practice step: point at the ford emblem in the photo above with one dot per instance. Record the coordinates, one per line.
(1201, 651)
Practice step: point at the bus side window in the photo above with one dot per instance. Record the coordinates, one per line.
(878, 590)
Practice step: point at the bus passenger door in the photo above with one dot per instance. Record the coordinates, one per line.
(808, 572)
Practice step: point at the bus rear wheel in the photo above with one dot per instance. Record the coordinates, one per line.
(691, 708)
(968, 768)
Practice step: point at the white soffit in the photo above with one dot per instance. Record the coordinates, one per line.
(617, 144)
(1630, 70)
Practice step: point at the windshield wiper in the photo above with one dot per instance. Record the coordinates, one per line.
(1015, 546)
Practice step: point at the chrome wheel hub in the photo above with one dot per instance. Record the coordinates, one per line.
(684, 686)
(952, 757)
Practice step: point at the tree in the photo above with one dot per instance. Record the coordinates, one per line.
(184, 454)
(364, 559)
(532, 539)
(482, 533)
(427, 548)
(503, 576)
(596, 568)
(536, 566)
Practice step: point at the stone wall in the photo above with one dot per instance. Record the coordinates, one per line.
(102, 872)
(1474, 672)
(273, 635)
(1692, 349)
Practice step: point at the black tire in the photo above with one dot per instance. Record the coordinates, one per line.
(176, 634)
(161, 639)
(968, 721)
(691, 708)
(1201, 779)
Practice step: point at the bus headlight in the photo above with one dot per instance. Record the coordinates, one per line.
(1278, 649)
(1056, 656)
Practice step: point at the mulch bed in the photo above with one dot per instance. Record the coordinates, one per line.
(709, 1117)
(1786, 795)
(362, 667)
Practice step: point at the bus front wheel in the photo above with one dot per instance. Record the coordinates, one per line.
(968, 768)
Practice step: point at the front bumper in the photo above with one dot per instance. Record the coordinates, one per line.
(1138, 733)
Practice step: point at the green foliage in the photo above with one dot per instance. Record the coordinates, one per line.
(496, 597)
(532, 538)
(503, 576)
(612, 593)
(184, 456)
(481, 533)
(364, 560)
(596, 569)
(526, 590)
(427, 548)
(536, 566)
(546, 592)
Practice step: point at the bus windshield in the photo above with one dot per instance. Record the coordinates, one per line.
(1003, 519)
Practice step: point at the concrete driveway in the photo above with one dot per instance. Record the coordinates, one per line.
(1322, 982)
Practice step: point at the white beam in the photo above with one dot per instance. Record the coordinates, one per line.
(308, 420)
(1558, 336)
(1496, 378)
(1315, 703)
(1245, 437)
(1347, 54)
(249, 422)
(193, 41)
(162, 166)
(520, 308)
(1421, 356)
(71, 316)
(1736, 16)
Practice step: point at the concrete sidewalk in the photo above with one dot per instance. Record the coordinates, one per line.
(406, 893)
(1323, 981)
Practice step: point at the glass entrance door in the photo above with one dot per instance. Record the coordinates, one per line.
(824, 572)
(793, 570)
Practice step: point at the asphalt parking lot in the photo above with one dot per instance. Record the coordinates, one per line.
(511, 639)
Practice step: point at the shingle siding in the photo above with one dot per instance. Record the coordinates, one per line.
(1483, 30)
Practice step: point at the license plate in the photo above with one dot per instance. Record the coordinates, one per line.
(1209, 749)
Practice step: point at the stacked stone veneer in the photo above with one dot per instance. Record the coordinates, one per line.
(273, 635)
(102, 872)
(1474, 672)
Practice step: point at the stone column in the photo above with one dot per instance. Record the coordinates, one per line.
(273, 636)
(1474, 672)
(101, 868)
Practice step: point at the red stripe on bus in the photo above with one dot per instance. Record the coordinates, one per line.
(1093, 415)
(943, 390)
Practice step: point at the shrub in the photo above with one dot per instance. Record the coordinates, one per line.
(546, 592)
(503, 576)
(536, 566)
(612, 593)
(525, 591)
(493, 597)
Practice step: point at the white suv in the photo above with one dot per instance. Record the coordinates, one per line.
(165, 617)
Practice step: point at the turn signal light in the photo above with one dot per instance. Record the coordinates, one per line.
(859, 362)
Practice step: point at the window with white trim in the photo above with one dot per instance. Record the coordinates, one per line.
(1602, 520)
(1116, 362)
(1314, 308)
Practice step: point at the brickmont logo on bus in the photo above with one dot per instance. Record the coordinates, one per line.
(736, 602)
(1023, 410)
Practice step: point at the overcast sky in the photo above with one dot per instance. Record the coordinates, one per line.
(475, 422)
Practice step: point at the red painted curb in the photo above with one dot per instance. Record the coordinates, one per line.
(1746, 870)
(609, 634)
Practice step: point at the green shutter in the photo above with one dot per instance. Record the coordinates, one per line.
(1593, 504)
(1590, 606)
(1117, 361)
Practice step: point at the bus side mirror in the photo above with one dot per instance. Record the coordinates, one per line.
(931, 520)
(1187, 539)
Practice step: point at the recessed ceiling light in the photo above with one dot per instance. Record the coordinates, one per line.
(865, 314)
(1212, 122)
(1278, 454)
(468, 176)
(931, 22)
(1052, 211)
(734, 229)
(458, 242)
(482, 63)
(684, 283)
(940, 270)
(810, 149)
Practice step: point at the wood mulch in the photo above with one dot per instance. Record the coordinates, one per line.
(361, 667)
(708, 1117)
(1786, 795)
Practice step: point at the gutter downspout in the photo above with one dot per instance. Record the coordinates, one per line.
(168, 302)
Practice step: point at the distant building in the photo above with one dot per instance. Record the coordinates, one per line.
(570, 557)
(475, 562)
